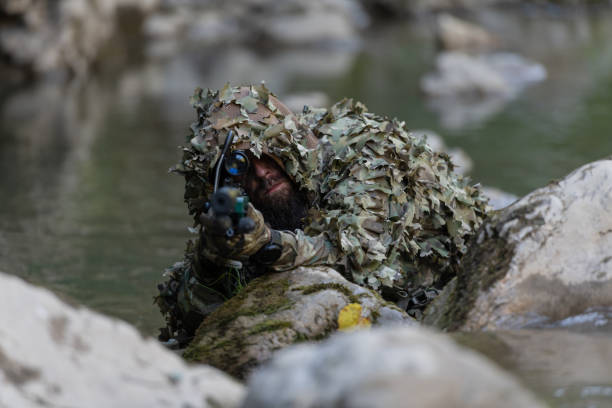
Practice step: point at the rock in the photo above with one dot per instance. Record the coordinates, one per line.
(467, 89)
(428, 6)
(461, 74)
(454, 34)
(392, 367)
(263, 23)
(280, 309)
(499, 74)
(542, 259)
(54, 354)
(498, 199)
(50, 36)
(456, 111)
(310, 28)
(166, 25)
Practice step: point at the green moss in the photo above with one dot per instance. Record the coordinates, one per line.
(264, 295)
(269, 325)
(300, 338)
(209, 351)
(374, 316)
(307, 290)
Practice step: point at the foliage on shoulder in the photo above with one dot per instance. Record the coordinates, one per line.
(395, 207)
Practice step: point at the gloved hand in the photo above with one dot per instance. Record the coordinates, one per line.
(239, 246)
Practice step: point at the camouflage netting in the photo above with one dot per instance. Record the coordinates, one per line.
(393, 209)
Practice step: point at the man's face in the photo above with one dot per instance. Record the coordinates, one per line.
(267, 182)
(274, 194)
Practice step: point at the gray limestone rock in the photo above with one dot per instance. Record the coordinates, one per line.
(380, 368)
(544, 258)
(294, 23)
(455, 34)
(497, 74)
(280, 309)
(52, 354)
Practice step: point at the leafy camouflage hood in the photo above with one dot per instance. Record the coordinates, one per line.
(396, 211)
(262, 125)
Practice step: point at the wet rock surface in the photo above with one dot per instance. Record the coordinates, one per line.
(277, 310)
(543, 259)
(391, 367)
(52, 354)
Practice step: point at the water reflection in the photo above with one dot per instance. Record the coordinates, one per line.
(88, 209)
(565, 369)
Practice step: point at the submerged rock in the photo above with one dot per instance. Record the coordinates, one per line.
(280, 309)
(497, 74)
(394, 367)
(466, 89)
(544, 258)
(456, 34)
(52, 354)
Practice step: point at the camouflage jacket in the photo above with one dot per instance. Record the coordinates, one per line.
(385, 210)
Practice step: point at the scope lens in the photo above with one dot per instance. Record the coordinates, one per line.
(237, 164)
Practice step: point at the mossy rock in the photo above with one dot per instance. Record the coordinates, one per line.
(541, 260)
(280, 309)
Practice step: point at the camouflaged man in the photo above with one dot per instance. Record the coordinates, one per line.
(340, 187)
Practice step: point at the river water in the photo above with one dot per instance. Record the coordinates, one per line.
(89, 210)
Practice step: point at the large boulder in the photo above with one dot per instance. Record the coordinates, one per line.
(542, 259)
(280, 309)
(394, 367)
(53, 354)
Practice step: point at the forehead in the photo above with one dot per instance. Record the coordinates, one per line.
(264, 160)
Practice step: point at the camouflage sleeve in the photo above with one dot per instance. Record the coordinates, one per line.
(300, 249)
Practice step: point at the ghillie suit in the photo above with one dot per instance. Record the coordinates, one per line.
(385, 210)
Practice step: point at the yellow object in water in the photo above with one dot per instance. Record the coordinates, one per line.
(350, 318)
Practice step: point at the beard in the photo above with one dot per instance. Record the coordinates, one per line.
(283, 211)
